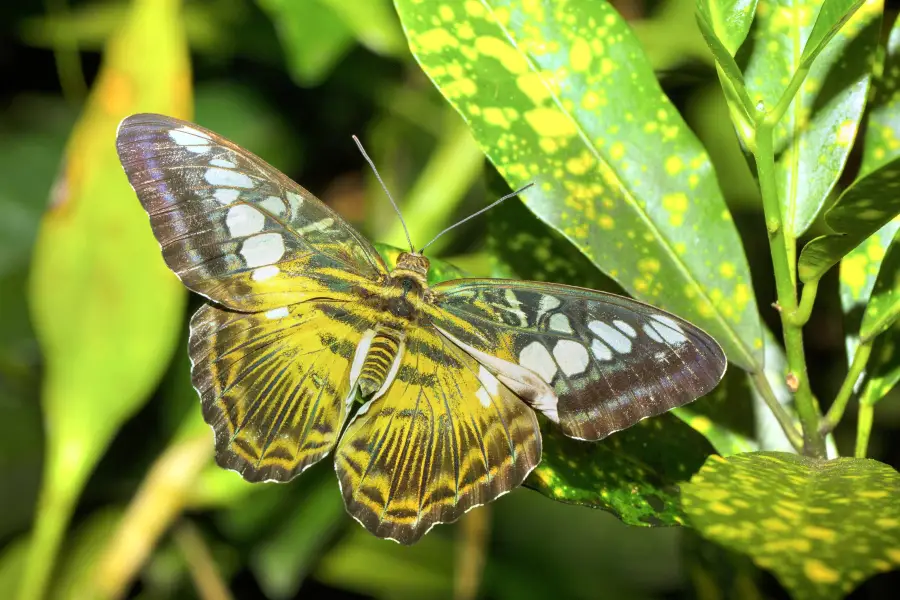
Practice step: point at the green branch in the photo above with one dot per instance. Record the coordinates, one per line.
(781, 415)
(783, 248)
(836, 411)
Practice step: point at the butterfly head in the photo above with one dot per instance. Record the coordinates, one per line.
(413, 265)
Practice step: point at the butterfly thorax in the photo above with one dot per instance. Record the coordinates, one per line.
(400, 305)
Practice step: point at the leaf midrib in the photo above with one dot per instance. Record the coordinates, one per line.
(627, 193)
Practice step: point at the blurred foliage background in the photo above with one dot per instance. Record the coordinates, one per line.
(291, 81)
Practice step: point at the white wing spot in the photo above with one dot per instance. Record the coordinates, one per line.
(218, 176)
(612, 336)
(243, 220)
(317, 226)
(625, 328)
(263, 273)
(601, 351)
(218, 162)
(571, 356)
(277, 313)
(226, 196)
(263, 249)
(652, 333)
(190, 139)
(535, 357)
(274, 205)
(669, 329)
(548, 303)
(560, 322)
(488, 380)
(294, 200)
(482, 394)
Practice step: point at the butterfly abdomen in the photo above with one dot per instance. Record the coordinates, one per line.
(381, 356)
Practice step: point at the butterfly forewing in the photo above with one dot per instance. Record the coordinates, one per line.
(596, 363)
(445, 437)
(234, 228)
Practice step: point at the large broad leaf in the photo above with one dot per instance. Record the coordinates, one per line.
(821, 526)
(883, 368)
(106, 309)
(884, 305)
(563, 97)
(864, 208)
(815, 135)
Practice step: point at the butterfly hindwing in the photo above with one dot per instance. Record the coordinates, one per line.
(274, 385)
(596, 363)
(232, 227)
(446, 436)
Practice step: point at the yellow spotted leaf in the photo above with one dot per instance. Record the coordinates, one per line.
(821, 526)
(836, 40)
(560, 94)
(860, 266)
(728, 20)
(106, 310)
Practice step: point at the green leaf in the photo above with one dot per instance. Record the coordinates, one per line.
(439, 271)
(374, 23)
(724, 25)
(314, 38)
(882, 141)
(864, 208)
(860, 266)
(833, 15)
(820, 526)
(728, 20)
(283, 561)
(633, 474)
(565, 98)
(883, 368)
(106, 309)
(884, 305)
(815, 135)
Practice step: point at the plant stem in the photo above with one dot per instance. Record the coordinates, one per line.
(860, 358)
(471, 545)
(800, 317)
(863, 428)
(201, 565)
(781, 415)
(783, 248)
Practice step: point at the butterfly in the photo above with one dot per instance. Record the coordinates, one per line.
(303, 317)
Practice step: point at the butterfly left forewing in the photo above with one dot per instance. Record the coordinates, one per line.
(232, 227)
(595, 363)
(446, 436)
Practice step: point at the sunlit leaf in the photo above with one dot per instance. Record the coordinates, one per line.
(623, 474)
(313, 36)
(106, 309)
(563, 97)
(864, 208)
(815, 135)
(729, 20)
(820, 526)
(833, 15)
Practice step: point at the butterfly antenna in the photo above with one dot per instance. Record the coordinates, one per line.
(473, 215)
(386, 191)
